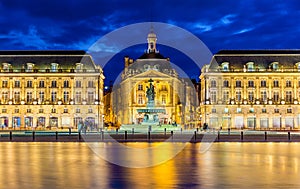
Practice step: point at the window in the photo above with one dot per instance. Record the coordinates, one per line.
(276, 83)
(263, 83)
(53, 84)
(264, 110)
(90, 110)
(226, 110)
(54, 67)
(276, 96)
(163, 99)
(250, 83)
(238, 95)
(29, 84)
(29, 97)
(17, 84)
(4, 110)
(53, 96)
(140, 98)
(225, 83)
(213, 96)
(29, 67)
(225, 66)
(91, 97)
(288, 83)
(276, 110)
(41, 97)
(289, 110)
(251, 110)
(213, 110)
(288, 96)
(78, 84)
(251, 96)
(238, 83)
(42, 84)
(41, 111)
(140, 87)
(66, 96)
(275, 66)
(226, 96)
(239, 110)
(66, 84)
(263, 96)
(164, 87)
(17, 111)
(5, 96)
(28, 110)
(4, 84)
(90, 84)
(78, 97)
(66, 110)
(213, 83)
(53, 110)
(17, 97)
(250, 66)
(77, 110)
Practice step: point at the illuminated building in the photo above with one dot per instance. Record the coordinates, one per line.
(49, 89)
(175, 96)
(257, 89)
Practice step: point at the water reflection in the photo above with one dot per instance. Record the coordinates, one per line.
(225, 165)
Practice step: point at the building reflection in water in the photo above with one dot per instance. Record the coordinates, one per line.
(225, 165)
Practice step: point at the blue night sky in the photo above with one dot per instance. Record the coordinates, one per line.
(77, 24)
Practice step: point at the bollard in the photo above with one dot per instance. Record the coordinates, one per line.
(265, 135)
(228, 131)
(195, 136)
(197, 129)
(10, 135)
(148, 135)
(70, 131)
(242, 135)
(79, 136)
(289, 136)
(56, 135)
(218, 136)
(125, 135)
(172, 135)
(102, 135)
(33, 135)
(165, 131)
(117, 130)
(132, 131)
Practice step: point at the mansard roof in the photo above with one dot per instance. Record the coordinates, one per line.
(42, 59)
(261, 58)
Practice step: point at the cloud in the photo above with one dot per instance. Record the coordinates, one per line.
(243, 30)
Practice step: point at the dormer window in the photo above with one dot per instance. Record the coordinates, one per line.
(250, 66)
(156, 67)
(146, 67)
(274, 65)
(29, 67)
(5, 67)
(225, 66)
(298, 66)
(78, 66)
(54, 67)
